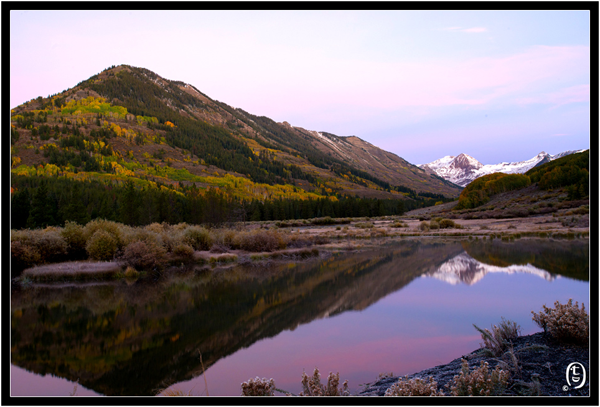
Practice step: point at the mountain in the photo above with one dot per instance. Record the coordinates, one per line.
(465, 269)
(128, 124)
(463, 169)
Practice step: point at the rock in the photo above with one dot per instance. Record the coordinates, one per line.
(549, 362)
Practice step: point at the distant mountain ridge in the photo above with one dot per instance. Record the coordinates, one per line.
(463, 169)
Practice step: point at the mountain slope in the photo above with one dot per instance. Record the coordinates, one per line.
(159, 114)
(463, 168)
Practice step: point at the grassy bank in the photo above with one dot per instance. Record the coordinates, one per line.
(154, 247)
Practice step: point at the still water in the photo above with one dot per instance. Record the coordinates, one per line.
(402, 308)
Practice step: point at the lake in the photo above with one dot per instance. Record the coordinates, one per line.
(407, 306)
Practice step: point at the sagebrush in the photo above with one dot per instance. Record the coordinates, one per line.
(479, 382)
(499, 338)
(414, 387)
(565, 322)
(311, 386)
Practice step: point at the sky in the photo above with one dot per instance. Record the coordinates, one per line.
(501, 86)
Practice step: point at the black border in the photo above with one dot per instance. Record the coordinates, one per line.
(591, 6)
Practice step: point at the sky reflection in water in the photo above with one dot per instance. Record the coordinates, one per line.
(425, 324)
(387, 314)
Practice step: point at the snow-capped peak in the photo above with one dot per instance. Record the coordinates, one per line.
(465, 269)
(463, 168)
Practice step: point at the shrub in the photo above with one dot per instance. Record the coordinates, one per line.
(73, 234)
(398, 224)
(225, 258)
(222, 240)
(433, 225)
(130, 272)
(311, 386)
(364, 225)
(479, 382)
(499, 338)
(184, 250)
(50, 244)
(108, 226)
(259, 241)
(447, 223)
(258, 387)
(424, 226)
(131, 235)
(565, 323)
(144, 256)
(172, 238)
(23, 255)
(102, 245)
(156, 227)
(324, 221)
(198, 237)
(414, 387)
(296, 241)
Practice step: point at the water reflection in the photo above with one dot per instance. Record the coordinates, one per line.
(120, 339)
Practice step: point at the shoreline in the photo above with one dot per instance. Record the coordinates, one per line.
(319, 240)
(550, 364)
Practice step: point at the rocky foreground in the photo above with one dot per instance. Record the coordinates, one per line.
(548, 359)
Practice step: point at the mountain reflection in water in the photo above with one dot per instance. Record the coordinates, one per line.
(121, 339)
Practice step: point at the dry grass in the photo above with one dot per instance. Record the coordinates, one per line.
(414, 387)
(479, 381)
(74, 271)
(144, 256)
(565, 322)
(259, 241)
(258, 387)
(175, 392)
(498, 339)
(311, 386)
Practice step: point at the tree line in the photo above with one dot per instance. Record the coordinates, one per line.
(39, 202)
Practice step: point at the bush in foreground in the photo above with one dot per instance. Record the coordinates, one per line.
(565, 322)
(479, 381)
(414, 387)
(499, 338)
(311, 386)
(258, 387)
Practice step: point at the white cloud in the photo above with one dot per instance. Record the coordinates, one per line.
(571, 94)
(475, 30)
(465, 30)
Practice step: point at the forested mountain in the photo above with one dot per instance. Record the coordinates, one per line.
(174, 148)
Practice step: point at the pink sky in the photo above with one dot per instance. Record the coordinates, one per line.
(399, 79)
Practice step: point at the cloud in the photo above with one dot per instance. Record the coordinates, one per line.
(571, 94)
(475, 30)
(465, 30)
(528, 76)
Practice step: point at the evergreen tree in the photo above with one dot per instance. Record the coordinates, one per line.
(76, 210)
(19, 211)
(129, 205)
(42, 208)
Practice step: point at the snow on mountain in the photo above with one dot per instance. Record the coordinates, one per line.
(465, 269)
(463, 169)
